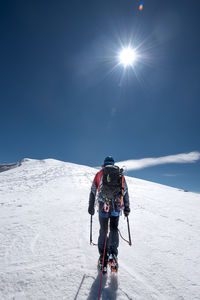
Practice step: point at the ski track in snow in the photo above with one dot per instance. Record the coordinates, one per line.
(44, 238)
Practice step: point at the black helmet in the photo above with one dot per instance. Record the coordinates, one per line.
(109, 160)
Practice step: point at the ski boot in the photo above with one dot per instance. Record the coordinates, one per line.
(100, 263)
(113, 263)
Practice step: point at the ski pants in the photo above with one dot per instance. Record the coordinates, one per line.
(113, 239)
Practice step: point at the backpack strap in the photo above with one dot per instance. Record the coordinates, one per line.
(122, 196)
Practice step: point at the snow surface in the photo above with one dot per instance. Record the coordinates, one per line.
(44, 238)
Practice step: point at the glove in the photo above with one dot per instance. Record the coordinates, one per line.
(126, 211)
(91, 204)
(91, 210)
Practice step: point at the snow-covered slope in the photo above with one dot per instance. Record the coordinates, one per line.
(44, 238)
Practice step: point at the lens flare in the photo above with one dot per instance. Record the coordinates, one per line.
(141, 6)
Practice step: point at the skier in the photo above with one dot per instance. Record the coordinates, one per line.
(112, 194)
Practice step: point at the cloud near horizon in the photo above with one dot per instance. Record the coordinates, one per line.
(136, 164)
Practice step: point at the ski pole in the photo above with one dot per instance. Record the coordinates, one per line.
(91, 242)
(91, 231)
(129, 234)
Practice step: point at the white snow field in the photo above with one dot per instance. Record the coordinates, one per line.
(44, 238)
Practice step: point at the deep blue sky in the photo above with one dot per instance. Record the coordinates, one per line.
(59, 99)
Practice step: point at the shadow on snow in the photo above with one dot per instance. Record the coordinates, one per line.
(107, 292)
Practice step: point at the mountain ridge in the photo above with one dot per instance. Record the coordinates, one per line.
(10, 166)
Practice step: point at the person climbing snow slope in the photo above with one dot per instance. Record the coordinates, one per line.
(109, 185)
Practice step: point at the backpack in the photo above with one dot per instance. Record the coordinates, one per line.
(111, 187)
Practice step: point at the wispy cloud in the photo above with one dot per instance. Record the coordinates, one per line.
(136, 164)
(171, 175)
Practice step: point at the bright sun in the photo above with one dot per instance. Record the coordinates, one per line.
(127, 56)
